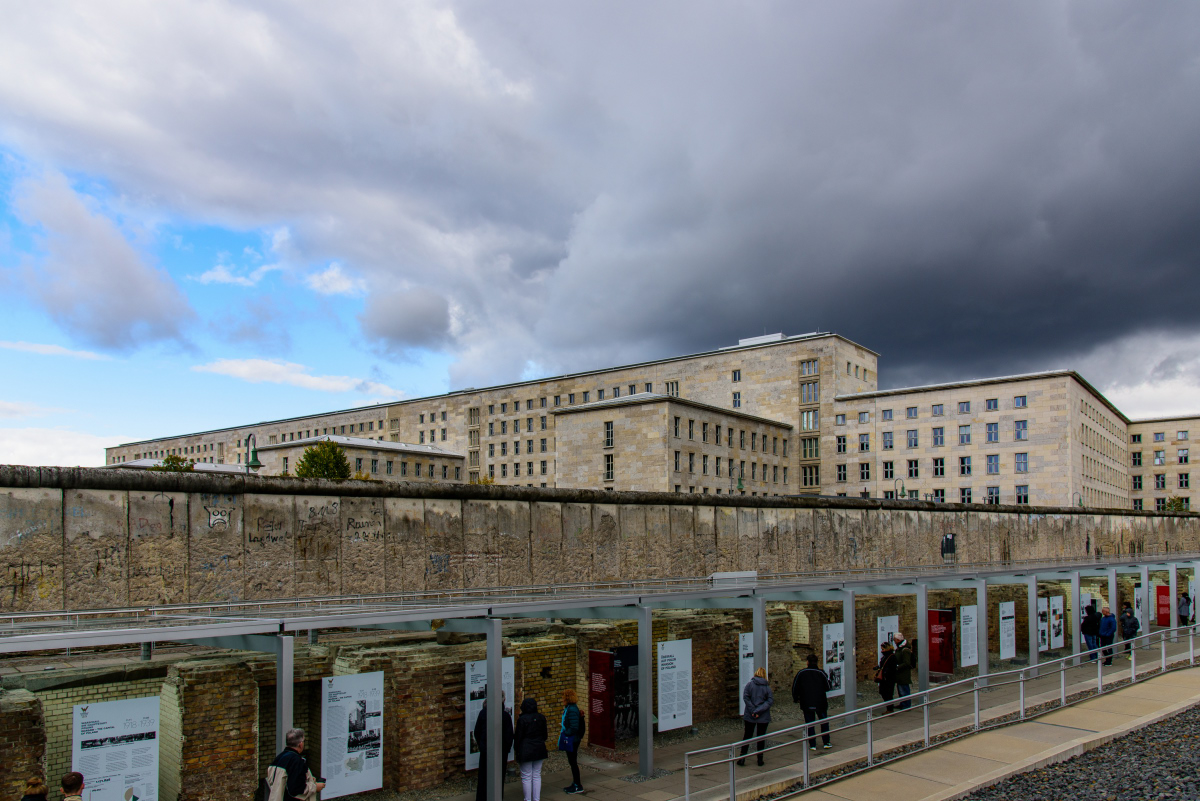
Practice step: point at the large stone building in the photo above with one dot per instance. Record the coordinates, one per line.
(1044, 438)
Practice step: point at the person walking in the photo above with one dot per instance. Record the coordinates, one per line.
(885, 674)
(1108, 632)
(529, 743)
(904, 666)
(1090, 629)
(481, 741)
(72, 786)
(1130, 626)
(570, 736)
(758, 700)
(35, 789)
(1184, 608)
(810, 690)
(288, 776)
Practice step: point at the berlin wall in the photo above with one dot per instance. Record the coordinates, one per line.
(81, 538)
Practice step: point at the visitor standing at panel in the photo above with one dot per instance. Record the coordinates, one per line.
(72, 786)
(885, 674)
(35, 789)
(481, 739)
(810, 689)
(1090, 629)
(759, 699)
(1130, 626)
(1108, 633)
(288, 776)
(904, 666)
(529, 742)
(570, 736)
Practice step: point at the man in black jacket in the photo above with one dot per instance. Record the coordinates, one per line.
(810, 690)
(1090, 629)
(481, 739)
(296, 765)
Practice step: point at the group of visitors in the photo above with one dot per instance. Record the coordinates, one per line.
(71, 784)
(894, 672)
(527, 740)
(1099, 629)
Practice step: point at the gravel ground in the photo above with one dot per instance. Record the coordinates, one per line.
(1159, 763)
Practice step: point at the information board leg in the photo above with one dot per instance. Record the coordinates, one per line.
(1032, 620)
(1173, 580)
(645, 691)
(1076, 616)
(284, 662)
(1144, 591)
(981, 627)
(922, 636)
(760, 633)
(849, 671)
(495, 706)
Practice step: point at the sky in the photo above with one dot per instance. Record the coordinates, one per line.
(214, 213)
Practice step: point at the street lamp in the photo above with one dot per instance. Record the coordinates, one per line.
(1078, 495)
(252, 462)
(900, 493)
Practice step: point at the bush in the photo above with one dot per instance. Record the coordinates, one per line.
(326, 459)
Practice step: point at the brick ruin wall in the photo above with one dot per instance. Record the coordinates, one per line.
(96, 538)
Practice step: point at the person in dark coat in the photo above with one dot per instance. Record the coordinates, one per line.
(292, 760)
(758, 699)
(1108, 632)
(570, 735)
(885, 674)
(1090, 629)
(481, 739)
(904, 668)
(1130, 626)
(35, 789)
(529, 743)
(810, 690)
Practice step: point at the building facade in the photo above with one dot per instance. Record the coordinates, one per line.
(376, 459)
(1045, 438)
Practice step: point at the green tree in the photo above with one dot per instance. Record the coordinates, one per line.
(1177, 504)
(175, 464)
(326, 459)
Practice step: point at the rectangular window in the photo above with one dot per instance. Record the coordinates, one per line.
(543, 444)
(1135, 438)
(704, 432)
(446, 472)
(993, 432)
(388, 468)
(1136, 459)
(809, 420)
(939, 467)
(737, 376)
(717, 435)
(785, 475)
(616, 392)
(841, 472)
(964, 495)
(1160, 481)
(608, 467)
(810, 448)
(543, 422)
(570, 398)
(964, 407)
(1020, 402)
(503, 409)
(504, 449)
(1160, 437)
(887, 440)
(841, 444)
(691, 429)
(964, 435)
(1160, 504)
(754, 471)
(912, 438)
(911, 413)
(993, 464)
(421, 436)
(443, 435)
(374, 465)
(649, 386)
(914, 470)
(503, 471)
(586, 396)
(608, 436)
(704, 464)
(543, 467)
(717, 466)
(691, 462)
(864, 417)
(404, 468)
(992, 404)
(1184, 481)
(737, 400)
(742, 439)
(503, 426)
(558, 400)
(939, 437)
(1021, 462)
(1023, 493)
(1181, 435)
(678, 455)
(1021, 430)
(1137, 504)
(633, 389)
(938, 410)
(810, 476)
(1136, 482)
(839, 419)
(529, 424)
(864, 443)
(864, 471)
(889, 470)
(675, 428)
(886, 415)
(357, 465)
(1160, 457)
(964, 465)
(939, 496)
(810, 392)
(1183, 455)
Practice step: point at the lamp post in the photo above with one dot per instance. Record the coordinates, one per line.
(899, 493)
(252, 462)
(1078, 495)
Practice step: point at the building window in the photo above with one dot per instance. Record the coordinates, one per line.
(404, 468)
(1020, 402)
(673, 389)
(691, 462)
(964, 435)
(586, 395)
(1160, 457)
(1183, 455)
(993, 464)
(704, 464)
(1136, 459)
(914, 470)
(887, 441)
(1160, 481)
(691, 429)
(616, 392)
(864, 443)
(649, 386)
(809, 392)
(704, 432)
(717, 467)
(1184, 481)
(810, 448)
(964, 407)
(864, 471)
(886, 415)
(939, 496)
(443, 435)
(964, 465)
(808, 367)
(503, 471)
(992, 404)
(1181, 435)
(911, 412)
(864, 417)
(374, 465)
(421, 436)
(939, 467)
(570, 398)
(841, 473)
(810, 476)
(504, 449)
(737, 376)
(809, 420)
(1136, 483)
(912, 438)
(993, 432)
(543, 468)
(1135, 438)
(1160, 504)
(608, 436)
(785, 475)
(1137, 504)
(446, 471)
(543, 422)
(1160, 437)
(608, 467)
(1021, 430)
(939, 437)
(839, 419)
(717, 435)
(754, 471)
(889, 471)
(558, 400)
(737, 400)
(633, 389)
(528, 424)
(1023, 493)
(938, 410)
(675, 428)
(1021, 462)
(357, 465)
(964, 495)
(678, 454)
(841, 444)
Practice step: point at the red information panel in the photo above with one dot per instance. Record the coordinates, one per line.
(1163, 595)
(601, 730)
(941, 640)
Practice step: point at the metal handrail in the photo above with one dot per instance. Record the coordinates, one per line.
(922, 699)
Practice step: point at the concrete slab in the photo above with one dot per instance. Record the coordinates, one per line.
(1128, 705)
(1046, 733)
(996, 746)
(1158, 692)
(884, 783)
(1088, 719)
(944, 766)
(653, 795)
(1180, 678)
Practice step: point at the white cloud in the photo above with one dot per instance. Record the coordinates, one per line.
(54, 447)
(51, 350)
(19, 409)
(333, 281)
(272, 371)
(1149, 374)
(224, 274)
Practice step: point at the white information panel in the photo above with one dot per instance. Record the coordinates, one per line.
(352, 733)
(1043, 623)
(746, 665)
(886, 630)
(1008, 629)
(1058, 635)
(477, 694)
(833, 642)
(969, 634)
(674, 684)
(114, 745)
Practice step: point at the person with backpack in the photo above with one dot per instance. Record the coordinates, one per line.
(570, 737)
(529, 742)
(810, 690)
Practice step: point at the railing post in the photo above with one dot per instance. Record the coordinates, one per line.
(1062, 683)
(1162, 641)
(732, 777)
(1133, 660)
(1021, 684)
(1191, 645)
(805, 752)
(687, 787)
(870, 736)
(1099, 675)
(975, 692)
(926, 710)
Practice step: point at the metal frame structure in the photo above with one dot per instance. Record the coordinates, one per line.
(271, 626)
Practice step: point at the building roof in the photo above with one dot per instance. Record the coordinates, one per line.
(198, 467)
(364, 443)
(657, 397)
(1007, 379)
(768, 341)
(1178, 419)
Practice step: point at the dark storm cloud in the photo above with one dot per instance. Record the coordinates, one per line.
(967, 188)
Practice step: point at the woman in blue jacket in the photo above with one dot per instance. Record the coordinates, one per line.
(1108, 632)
